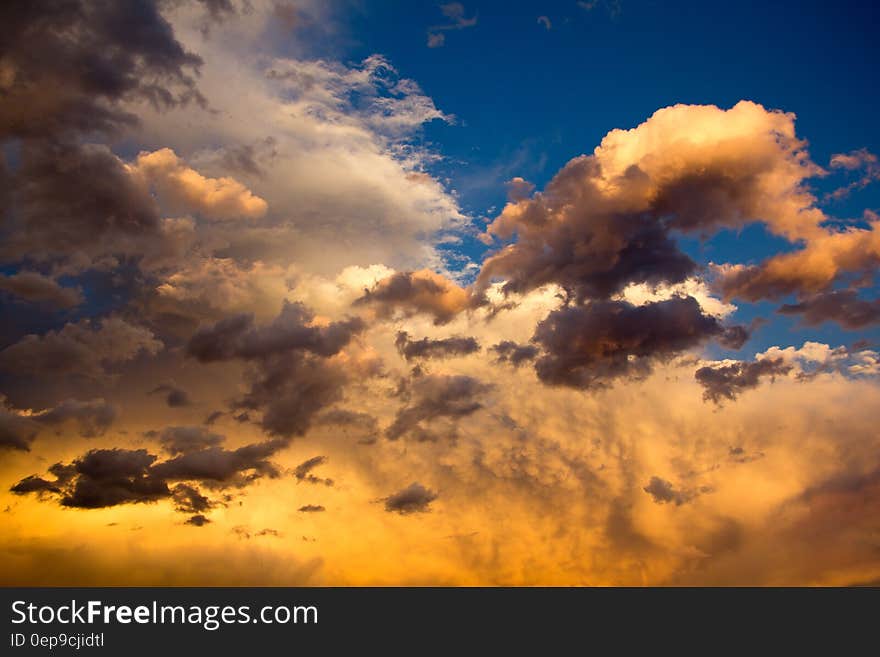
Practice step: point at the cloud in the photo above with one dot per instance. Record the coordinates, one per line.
(92, 417)
(110, 477)
(437, 40)
(34, 287)
(415, 498)
(175, 397)
(237, 337)
(663, 492)
(78, 204)
(68, 65)
(410, 293)
(440, 348)
(17, 432)
(311, 508)
(303, 472)
(85, 348)
(182, 189)
(216, 464)
(605, 220)
(188, 499)
(826, 257)
(841, 306)
(508, 351)
(19, 428)
(543, 20)
(198, 520)
(858, 160)
(730, 380)
(292, 379)
(590, 346)
(183, 440)
(437, 396)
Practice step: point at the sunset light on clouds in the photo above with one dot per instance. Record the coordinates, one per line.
(331, 293)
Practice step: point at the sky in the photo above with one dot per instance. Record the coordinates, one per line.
(393, 293)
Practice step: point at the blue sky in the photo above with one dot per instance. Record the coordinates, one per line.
(527, 99)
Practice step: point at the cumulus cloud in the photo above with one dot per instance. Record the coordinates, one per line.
(437, 396)
(429, 348)
(508, 351)
(17, 432)
(182, 440)
(605, 220)
(663, 492)
(189, 499)
(85, 348)
(861, 160)
(110, 477)
(34, 287)
(68, 65)
(841, 306)
(590, 346)
(174, 397)
(826, 257)
(415, 498)
(19, 428)
(303, 472)
(729, 380)
(182, 189)
(410, 293)
(292, 330)
(293, 378)
(79, 205)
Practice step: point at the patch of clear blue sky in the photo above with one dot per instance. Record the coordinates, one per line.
(528, 99)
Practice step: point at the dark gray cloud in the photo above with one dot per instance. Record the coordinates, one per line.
(415, 498)
(441, 348)
(79, 203)
(83, 349)
(411, 293)
(303, 472)
(17, 432)
(91, 418)
(436, 396)
(175, 397)
(188, 499)
(590, 346)
(841, 306)
(35, 484)
(198, 520)
(568, 235)
(213, 417)
(223, 466)
(508, 351)
(182, 440)
(311, 508)
(237, 337)
(291, 378)
(364, 423)
(72, 61)
(728, 381)
(663, 492)
(290, 389)
(109, 477)
(34, 287)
